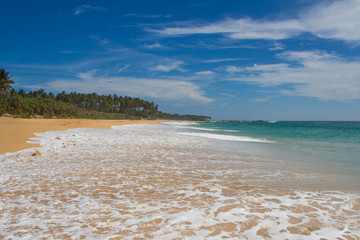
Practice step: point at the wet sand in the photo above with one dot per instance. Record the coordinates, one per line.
(15, 132)
(150, 182)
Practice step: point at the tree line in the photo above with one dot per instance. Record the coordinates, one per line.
(78, 105)
(96, 102)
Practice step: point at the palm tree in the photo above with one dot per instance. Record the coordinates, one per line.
(22, 93)
(5, 82)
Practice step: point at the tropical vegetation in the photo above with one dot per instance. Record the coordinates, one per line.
(5, 82)
(78, 105)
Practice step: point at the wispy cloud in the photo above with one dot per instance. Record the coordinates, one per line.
(224, 60)
(101, 40)
(317, 74)
(335, 19)
(202, 73)
(275, 46)
(110, 57)
(227, 95)
(67, 51)
(258, 68)
(240, 29)
(170, 66)
(165, 89)
(233, 69)
(72, 66)
(155, 46)
(148, 15)
(329, 19)
(260, 99)
(121, 69)
(87, 8)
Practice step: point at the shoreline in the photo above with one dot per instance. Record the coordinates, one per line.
(15, 132)
(149, 181)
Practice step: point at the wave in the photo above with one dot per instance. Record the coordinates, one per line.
(188, 124)
(228, 137)
(202, 129)
(206, 190)
(178, 123)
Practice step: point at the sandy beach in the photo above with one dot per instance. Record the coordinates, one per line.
(152, 181)
(15, 132)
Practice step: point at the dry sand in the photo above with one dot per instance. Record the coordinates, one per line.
(15, 132)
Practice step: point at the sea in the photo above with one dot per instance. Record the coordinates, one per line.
(186, 180)
(330, 149)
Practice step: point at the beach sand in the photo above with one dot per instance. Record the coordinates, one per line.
(151, 182)
(15, 132)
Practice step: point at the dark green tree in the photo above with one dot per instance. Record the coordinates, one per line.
(5, 82)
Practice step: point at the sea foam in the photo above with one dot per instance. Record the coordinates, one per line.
(228, 137)
(150, 181)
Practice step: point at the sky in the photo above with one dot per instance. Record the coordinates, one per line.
(228, 59)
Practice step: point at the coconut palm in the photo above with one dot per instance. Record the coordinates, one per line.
(5, 82)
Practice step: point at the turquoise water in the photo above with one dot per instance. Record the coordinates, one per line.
(331, 144)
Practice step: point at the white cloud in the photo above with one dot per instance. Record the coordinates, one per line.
(66, 51)
(305, 56)
(241, 29)
(171, 66)
(155, 88)
(338, 20)
(223, 60)
(147, 16)
(101, 41)
(205, 73)
(233, 69)
(330, 19)
(154, 46)
(276, 46)
(120, 69)
(318, 74)
(87, 8)
(260, 99)
(257, 68)
(227, 95)
(267, 68)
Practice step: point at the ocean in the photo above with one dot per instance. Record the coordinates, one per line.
(317, 147)
(181, 180)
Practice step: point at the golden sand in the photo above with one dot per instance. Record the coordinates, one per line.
(15, 132)
(145, 183)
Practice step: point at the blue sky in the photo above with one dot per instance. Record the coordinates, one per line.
(258, 59)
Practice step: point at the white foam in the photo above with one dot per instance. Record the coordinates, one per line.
(202, 129)
(149, 181)
(187, 125)
(178, 123)
(228, 137)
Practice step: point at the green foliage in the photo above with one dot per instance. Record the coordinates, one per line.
(186, 117)
(78, 105)
(3, 105)
(5, 83)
